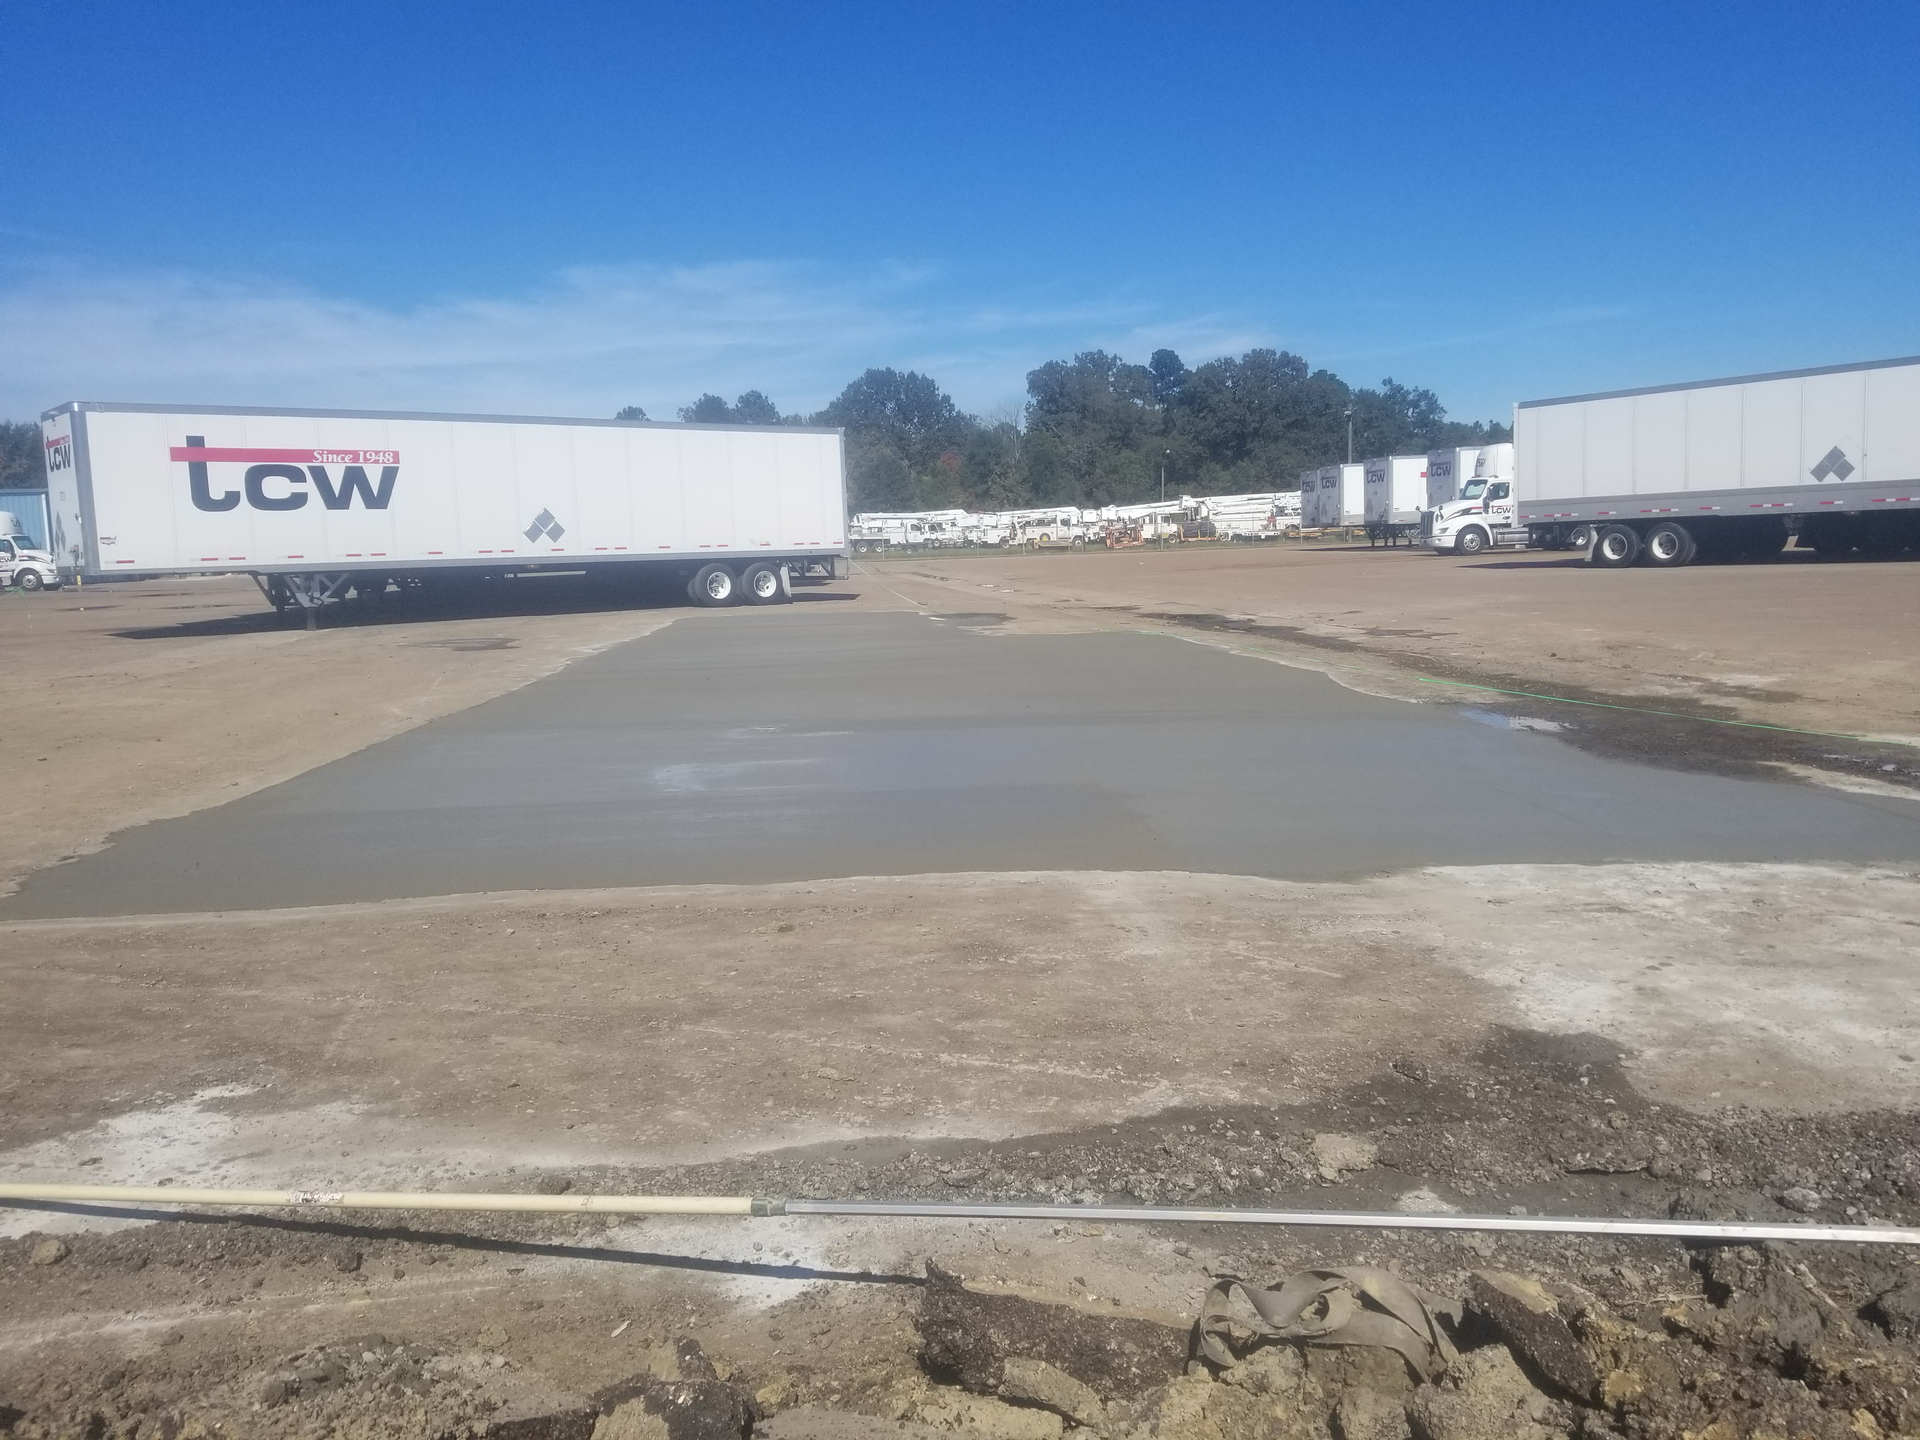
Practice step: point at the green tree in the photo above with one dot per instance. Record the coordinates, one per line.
(753, 408)
(23, 464)
(707, 410)
(1092, 424)
(899, 425)
(1169, 374)
(631, 412)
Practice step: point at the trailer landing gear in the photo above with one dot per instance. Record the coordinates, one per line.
(308, 592)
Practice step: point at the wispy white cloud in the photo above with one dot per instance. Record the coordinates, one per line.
(587, 342)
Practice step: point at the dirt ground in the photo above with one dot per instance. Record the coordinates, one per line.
(1708, 1041)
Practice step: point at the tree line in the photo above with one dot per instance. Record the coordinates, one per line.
(1097, 430)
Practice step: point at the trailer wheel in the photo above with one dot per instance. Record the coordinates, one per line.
(760, 582)
(27, 579)
(1580, 537)
(1669, 544)
(1472, 541)
(1615, 547)
(714, 585)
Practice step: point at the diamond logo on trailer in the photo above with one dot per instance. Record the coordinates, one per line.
(1834, 465)
(544, 526)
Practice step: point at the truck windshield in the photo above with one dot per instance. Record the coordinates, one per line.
(1475, 488)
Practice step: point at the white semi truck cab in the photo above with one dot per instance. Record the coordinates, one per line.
(22, 562)
(1482, 517)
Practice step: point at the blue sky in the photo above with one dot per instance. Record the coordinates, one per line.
(562, 209)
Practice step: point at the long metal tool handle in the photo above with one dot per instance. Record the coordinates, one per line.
(1740, 1232)
(395, 1200)
(1370, 1220)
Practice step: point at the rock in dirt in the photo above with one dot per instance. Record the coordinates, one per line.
(968, 1335)
(1488, 1398)
(1800, 1198)
(553, 1185)
(1035, 1382)
(1369, 1415)
(541, 1422)
(1897, 1311)
(679, 1410)
(1276, 1371)
(48, 1252)
(813, 1422)
(1195, 1408)
(696, 1406)
(1527, 1317)
(983, 1418)
(1339, 1155)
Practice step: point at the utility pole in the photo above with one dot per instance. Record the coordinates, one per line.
(1166, 455)
(1349, 434)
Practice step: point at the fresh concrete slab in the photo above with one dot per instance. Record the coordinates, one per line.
(766, 746)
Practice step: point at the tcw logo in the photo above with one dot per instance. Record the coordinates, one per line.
(59, 453)
(290, 468)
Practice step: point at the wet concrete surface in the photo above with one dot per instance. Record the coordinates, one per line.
(759, 746)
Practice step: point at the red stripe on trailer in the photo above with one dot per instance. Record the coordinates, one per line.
(123, 562)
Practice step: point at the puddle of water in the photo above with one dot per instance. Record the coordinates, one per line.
(1511, 722)
(477, 642)
(736, 775)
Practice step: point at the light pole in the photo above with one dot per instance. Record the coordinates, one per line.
(1165, 455)
(1349, 434)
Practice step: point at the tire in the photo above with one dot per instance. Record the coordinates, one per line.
(1580, 537)
(714, 585)
(1472, 541)
(761, 584)
(1615, 547)
(1883, 534)
(28, 579)
(1669, 545)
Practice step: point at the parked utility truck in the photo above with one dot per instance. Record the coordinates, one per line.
(1715, 469)
(317, 504)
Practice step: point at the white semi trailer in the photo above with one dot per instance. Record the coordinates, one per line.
(1716, 469)
(1310, 499)
(1343, 501)
(1395, 489)
(315, 504)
